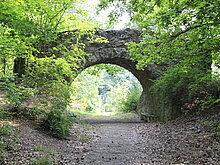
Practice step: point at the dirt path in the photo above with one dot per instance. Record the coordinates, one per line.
(118, 144)
(122, 142)
(130, 142)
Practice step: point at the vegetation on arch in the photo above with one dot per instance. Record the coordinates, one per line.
(180, 29)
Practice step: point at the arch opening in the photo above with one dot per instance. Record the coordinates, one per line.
(105, 89)
(141, 75)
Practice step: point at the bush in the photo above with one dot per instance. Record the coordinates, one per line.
(179, 85)
(57, 123)
(89, 108)
(213, 126)
(131, 101)
(16, 94)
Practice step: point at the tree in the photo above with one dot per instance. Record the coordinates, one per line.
(29, 36)
(35, 25)
(182, 35)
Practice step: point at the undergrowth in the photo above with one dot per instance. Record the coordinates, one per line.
(213, 126)
(45, 160)
(130, 103)
(57, 123)
(50, 114)
(7, 140)
(45, 149)
(179, 86)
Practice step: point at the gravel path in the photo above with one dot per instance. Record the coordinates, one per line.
(118, 145)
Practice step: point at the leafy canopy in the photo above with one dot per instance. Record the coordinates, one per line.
(183, 36)
(172, 29)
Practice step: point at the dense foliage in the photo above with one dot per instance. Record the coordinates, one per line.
(183, 37)
(36, 69)
(39, 82)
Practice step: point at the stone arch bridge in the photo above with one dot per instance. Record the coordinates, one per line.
(115, 52)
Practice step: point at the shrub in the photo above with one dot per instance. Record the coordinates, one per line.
(89, 108)
(57, 123)
(179, 85)
(45, 149)
(131, 101)
(16, 94)
(213, 126)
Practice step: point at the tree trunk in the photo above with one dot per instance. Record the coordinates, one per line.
(4, 66)
(19, 66)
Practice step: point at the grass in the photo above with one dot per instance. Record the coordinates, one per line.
(82, 114)
(83, 138)
(86, 126)
(45, 160)
(45, 149)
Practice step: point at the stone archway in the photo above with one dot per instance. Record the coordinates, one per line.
(115, 52)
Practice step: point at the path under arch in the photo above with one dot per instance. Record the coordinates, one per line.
(118, 142)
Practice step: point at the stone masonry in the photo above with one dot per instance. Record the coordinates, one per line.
(115, 52)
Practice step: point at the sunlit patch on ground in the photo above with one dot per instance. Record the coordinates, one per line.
(8, 123)
(104, 115)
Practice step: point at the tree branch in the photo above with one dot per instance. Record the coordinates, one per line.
(191, 28)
